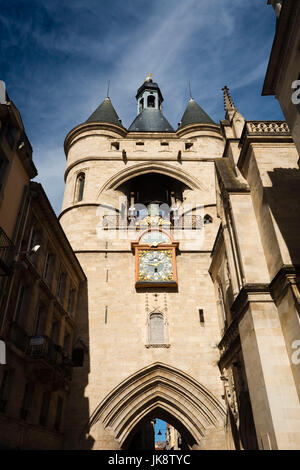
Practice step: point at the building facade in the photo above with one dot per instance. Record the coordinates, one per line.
(16, 170)
(39, 331)
(283, 70)
(40, 281)
(191, 258)
(173, 439)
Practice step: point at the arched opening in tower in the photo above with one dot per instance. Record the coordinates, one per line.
(153, 193)
(151, 101)
(159, 430)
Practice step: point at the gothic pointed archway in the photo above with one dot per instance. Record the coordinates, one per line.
(161, 391)
(152, 167)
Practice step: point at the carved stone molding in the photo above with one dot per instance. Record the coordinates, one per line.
(263, 132)
(286, 278)
(268, 127)
(249, 293)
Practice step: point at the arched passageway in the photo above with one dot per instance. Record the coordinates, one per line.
(147, 442)
(160, 391)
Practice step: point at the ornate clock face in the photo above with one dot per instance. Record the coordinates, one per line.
(155, 266)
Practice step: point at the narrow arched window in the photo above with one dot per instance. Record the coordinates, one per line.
(79, 187)
(157, 335)
(151, 101)
(141, 105)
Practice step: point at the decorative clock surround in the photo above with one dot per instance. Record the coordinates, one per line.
(155, 260)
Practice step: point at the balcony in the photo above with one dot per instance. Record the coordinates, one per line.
(47, 364)
(116, 222)
(6, 254)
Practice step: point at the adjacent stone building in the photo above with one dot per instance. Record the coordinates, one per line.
(173, 439)
(40, 279)
(255, 269)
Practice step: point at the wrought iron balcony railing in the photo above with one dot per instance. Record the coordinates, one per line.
(6, 254)
(49, 361)
(116, 222)
(42, 347)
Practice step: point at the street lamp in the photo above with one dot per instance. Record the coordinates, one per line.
(29, 252)
(20, 264)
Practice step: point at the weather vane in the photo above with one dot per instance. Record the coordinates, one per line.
(148, 77)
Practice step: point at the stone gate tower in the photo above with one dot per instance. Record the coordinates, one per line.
(140, 212)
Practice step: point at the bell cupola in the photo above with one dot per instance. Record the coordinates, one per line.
(149, 114)
(149, 95)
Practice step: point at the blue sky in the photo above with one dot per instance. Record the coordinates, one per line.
(162, 427)
(57, 56)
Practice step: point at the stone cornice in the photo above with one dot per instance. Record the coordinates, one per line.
(248, 293)
(286, 278)
(92, 126)
(229, 354)
(213, 130)
(143, 158)
(151, 135)
(82, 204)
(261, 132)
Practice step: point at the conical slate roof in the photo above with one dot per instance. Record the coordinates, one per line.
(105, 113)
(150, 120)
(194, 114)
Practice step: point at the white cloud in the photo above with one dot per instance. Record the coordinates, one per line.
(258, 72)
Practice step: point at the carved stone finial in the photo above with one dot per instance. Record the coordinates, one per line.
(228, 101)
